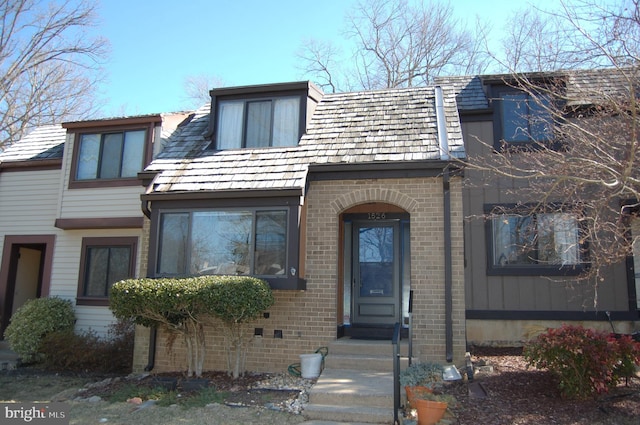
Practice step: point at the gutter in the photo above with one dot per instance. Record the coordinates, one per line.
(443, 144)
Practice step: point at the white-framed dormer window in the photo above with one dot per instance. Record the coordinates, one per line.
(258, 123)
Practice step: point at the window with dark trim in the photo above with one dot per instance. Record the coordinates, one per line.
(103, 262)
(258, 122)
(248, 241)
(544, 243)
(521, 118)
(109, 158)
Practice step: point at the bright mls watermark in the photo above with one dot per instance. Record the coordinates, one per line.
(34, 413)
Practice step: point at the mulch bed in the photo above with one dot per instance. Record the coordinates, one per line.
(518, 395)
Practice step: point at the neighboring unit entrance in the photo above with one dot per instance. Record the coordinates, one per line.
(25, 272)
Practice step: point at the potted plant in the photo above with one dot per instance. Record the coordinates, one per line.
(431, 406)
(421, 377)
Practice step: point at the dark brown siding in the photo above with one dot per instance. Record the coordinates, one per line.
(521, 293)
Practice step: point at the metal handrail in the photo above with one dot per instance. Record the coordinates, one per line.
(396, 372)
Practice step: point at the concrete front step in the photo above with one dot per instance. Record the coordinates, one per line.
(341, 387)
(349, 414)
(363, 362)
(356, 385)
(354, 354)
(364, 347)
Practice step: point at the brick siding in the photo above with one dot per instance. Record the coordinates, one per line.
(307, 319)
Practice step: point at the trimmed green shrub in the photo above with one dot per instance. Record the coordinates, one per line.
(184, 305)
(236, 301)
(585, 361)
(179, 305)
(34, 320)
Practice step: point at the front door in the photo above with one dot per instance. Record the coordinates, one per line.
(376, 273)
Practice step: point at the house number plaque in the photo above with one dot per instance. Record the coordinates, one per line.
(376, 216)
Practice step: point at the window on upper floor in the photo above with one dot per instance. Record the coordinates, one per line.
(539, 244)
(521, 118)
(109, 157)
(103, 262)
(259, 122)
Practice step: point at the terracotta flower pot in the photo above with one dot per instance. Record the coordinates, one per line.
(414, 391)
(430, 412)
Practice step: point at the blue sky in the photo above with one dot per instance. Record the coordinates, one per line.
(156, 44)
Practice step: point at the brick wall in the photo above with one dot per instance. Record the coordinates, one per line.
(308, 320)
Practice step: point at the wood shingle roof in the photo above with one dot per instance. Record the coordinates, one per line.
(368, 127)
(44, 142)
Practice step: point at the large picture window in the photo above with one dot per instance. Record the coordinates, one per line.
(258, 123)
(104, 261)
(545, 243)
(116, 155)
(231, 242)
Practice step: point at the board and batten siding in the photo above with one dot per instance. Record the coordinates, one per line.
(520, 293)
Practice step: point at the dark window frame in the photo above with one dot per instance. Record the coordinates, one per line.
(88, 243)
(498, 92)
(529, 269)
(75, 183)
(247, 99)
(291, 280)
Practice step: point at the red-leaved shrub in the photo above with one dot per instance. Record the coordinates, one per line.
(586, 361)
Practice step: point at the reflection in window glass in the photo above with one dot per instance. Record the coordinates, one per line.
(271, 232)
(105, 266)
(133, 154)
(111, 155)
(540, 239)
(173, 243)
(220, 242)
(223, 242)
(375, 254)
(524, 119)
(88, 155)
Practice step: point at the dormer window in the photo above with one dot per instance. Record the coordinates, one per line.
(522, 119)
(111, 152)
(110, 155)
(258, 123)
(273, 115)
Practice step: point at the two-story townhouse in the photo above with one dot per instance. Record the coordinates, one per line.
(70, 217)
(513, 293)
(345, 203)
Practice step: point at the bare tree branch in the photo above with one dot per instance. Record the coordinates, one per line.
(397, 44)
(48, 64)
(197, 87)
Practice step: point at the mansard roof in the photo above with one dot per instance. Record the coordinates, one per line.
(368, 128)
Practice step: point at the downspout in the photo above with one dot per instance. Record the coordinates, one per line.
(153, 332)
(443, 144)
